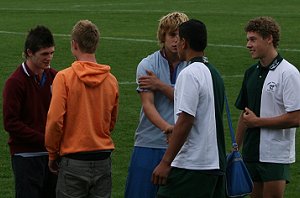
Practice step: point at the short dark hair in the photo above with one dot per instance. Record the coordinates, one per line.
(195, 33)
(38, 38)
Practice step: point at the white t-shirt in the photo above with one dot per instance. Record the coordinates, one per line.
(194, 95)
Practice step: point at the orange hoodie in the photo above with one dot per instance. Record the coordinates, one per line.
(83, 110)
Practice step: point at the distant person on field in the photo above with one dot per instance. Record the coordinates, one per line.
(81, 117)
(194, 162)
(270, 104)
(156, 77)
(26, 100)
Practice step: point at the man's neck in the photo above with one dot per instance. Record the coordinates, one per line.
(192, 54)
(86, 57)
(267, 60)
(172, 58)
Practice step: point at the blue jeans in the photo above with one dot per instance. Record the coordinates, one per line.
(78, 178)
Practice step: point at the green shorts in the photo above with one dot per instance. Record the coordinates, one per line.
(264, 172)
(191, 184)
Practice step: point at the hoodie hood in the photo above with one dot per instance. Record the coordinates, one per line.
(91, 74)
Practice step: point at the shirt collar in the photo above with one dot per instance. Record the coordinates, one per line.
(26, 69)
(274, 64)
(201, 59)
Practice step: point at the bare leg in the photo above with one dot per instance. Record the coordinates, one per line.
(257, 191)
(274, 189)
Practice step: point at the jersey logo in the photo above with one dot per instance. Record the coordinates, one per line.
(271, 87)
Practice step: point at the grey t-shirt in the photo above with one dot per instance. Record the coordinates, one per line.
(147, 134)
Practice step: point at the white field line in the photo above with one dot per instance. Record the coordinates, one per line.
(85, 8)
(133, 83)
(149, 41)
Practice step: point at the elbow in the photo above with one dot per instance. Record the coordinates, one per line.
(8, 126)
(296, 121)
(297, 124)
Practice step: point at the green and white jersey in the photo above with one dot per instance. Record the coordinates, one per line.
(270, 92)
(199, 91)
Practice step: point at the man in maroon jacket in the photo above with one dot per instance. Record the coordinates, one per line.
(26, 99)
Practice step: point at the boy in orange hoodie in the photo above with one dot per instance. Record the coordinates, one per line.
(82, 114)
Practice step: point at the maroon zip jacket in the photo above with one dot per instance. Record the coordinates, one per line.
(26, 102)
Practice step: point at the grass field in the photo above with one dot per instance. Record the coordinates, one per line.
(128, 31)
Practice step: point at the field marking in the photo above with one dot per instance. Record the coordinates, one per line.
(149, 41)
(231, 76)
(78, 8)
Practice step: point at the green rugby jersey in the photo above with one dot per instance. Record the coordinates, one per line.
(250, 96)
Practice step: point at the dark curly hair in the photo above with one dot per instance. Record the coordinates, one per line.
(265, 26)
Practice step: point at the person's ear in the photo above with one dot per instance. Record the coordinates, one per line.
(29, 52)
(269, 39)
(185, 44)
(74, 44)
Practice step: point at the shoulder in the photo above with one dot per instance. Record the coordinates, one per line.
(64, 74)
(213, 69)
(113, 79)
(154, 62)
(65, 71)
(154, 55)
(285, 65)
(51, 72)
(250, 70)
(196, 67)
(18, 75)
(194, 71)
(286, 70)
(153, 58)
(17, 80)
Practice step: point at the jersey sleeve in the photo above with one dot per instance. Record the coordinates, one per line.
(55, 118)
(241, 101)
(142, 67)
(187, 91)
(291, 96)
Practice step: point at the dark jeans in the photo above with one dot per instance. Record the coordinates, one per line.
(33, 178)
(79, 178)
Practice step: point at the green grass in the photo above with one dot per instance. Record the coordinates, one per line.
(128, 30)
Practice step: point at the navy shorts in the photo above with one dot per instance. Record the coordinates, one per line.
(143, 162)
